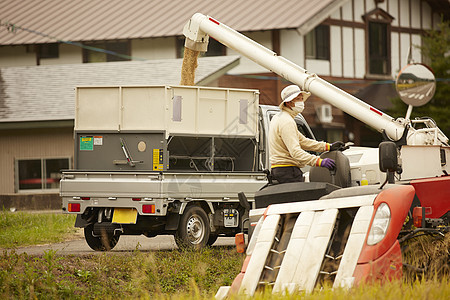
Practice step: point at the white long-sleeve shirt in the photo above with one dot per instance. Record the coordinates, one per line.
(287, 145)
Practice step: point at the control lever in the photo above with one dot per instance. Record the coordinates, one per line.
(333, 175)
(130, 160)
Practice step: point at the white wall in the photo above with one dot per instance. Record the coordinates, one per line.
(246, 66)
(11, 56)
(68, 54)
(360, 53)
(348, 56)
(415, 14)
(158, 48)
(404, 13)
(335, 51)
(292, 46)
(358, 10)
(318, 66)
(395, 59)
(404, 48)
(370, 5)
(347, 11)
(393, 11)
(426, 16)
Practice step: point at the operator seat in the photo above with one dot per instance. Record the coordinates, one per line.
(340, 176)
(322, 182)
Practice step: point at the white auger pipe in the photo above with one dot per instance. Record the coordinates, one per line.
(199, 27)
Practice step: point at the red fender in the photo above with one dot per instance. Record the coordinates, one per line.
(384, 260)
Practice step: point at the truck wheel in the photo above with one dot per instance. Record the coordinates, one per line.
(105, 242)
(193, 231)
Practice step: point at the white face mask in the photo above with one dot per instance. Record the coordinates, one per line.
(299, 107)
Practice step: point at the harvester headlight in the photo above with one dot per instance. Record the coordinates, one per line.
(380, 224)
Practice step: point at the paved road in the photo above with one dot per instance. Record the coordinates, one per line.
(126, 244)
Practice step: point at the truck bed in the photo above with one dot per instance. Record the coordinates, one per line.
(131, 189)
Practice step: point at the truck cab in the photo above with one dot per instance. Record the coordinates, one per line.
(266, 114)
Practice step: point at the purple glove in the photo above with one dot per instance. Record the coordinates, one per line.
(328, 163)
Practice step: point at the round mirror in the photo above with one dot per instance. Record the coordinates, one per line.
(415, 84)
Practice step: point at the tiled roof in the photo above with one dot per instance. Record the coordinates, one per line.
(82, 20)
(42, 93)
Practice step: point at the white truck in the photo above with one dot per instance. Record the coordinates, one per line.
(158, 160)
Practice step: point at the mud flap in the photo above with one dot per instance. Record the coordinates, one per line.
(172, 222)
(80, 222)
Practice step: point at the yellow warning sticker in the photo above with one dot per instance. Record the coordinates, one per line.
(158, 164)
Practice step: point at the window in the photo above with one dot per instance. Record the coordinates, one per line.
(328, 134)
(39, 174)
(318, 43)
(378, 42)
(48, 50)
(378, 49)
(302, 125)
(91, 56)
(214, 48)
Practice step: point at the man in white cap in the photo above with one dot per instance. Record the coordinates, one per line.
(287, 145)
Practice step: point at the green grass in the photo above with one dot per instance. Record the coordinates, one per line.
(135, 274)
(23, 228)
(177, 274)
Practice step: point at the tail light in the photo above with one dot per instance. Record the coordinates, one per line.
(418, 216)
(81, 198)
(74, 207)
(136, 199)
(148, 208)
(239, 240)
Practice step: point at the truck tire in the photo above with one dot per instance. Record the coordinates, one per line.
(193, 231)
(105, 242)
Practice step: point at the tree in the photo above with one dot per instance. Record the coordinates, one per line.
(436, 52)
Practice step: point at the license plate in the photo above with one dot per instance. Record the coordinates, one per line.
(124, 216)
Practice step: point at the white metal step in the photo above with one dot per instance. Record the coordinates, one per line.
(310, 261)
(258, 259)
(294, 250)
(360, 227)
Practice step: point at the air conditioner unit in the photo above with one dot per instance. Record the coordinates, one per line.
(324, 113)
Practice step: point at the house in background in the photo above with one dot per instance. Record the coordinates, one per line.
(355, 44)
(36, 132)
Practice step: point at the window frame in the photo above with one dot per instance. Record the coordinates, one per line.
(43, 172)
(314, 37)
(104, 45)
(378, 16)
(48, 51)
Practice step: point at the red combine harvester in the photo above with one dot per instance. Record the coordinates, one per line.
(352, 234)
